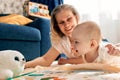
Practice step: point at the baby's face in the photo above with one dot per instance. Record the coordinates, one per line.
(80, 44)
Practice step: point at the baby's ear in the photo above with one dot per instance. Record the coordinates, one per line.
(94, 43)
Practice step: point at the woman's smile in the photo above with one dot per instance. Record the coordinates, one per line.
(69, 29)
(66, 21)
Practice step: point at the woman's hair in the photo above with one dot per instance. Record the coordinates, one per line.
(55, 11)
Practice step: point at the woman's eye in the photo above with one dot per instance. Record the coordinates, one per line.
(61, 23)
(76, 42)
(69, 19)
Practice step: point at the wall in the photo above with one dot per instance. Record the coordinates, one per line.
(104, 12)
(11, 6)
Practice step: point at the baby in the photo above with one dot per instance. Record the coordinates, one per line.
(87, 43)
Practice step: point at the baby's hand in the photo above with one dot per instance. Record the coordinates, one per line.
(113, 50)
(62, 61)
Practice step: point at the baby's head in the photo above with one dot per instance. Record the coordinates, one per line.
(86, 37)
(87, 30)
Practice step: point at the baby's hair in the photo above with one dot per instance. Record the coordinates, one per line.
(90, 29)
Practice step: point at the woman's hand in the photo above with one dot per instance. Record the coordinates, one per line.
(62, 61)
(113, 49)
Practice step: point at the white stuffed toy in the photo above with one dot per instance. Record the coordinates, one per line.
(11, 63)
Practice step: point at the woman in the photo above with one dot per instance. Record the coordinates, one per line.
(64, 18)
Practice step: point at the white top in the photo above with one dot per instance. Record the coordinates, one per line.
(63, 46)
(104, 56)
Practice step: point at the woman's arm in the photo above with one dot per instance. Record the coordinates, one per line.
(45, 60)
(78, 60)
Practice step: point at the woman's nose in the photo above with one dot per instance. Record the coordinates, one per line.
(66, 25)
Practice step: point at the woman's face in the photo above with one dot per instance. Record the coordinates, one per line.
(66, 21)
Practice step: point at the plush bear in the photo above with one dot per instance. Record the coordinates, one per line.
(11, 63)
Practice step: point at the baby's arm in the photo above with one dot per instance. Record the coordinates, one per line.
(114, 49)
(62, 61)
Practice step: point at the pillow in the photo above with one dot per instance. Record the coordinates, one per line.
(15, 19)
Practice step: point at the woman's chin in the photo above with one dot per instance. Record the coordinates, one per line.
(68, 33)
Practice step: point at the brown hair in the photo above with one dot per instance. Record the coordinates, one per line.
(55, 11)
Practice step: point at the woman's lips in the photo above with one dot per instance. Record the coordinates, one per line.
(69, 30)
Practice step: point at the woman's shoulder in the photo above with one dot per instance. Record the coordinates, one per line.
(59, 39)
